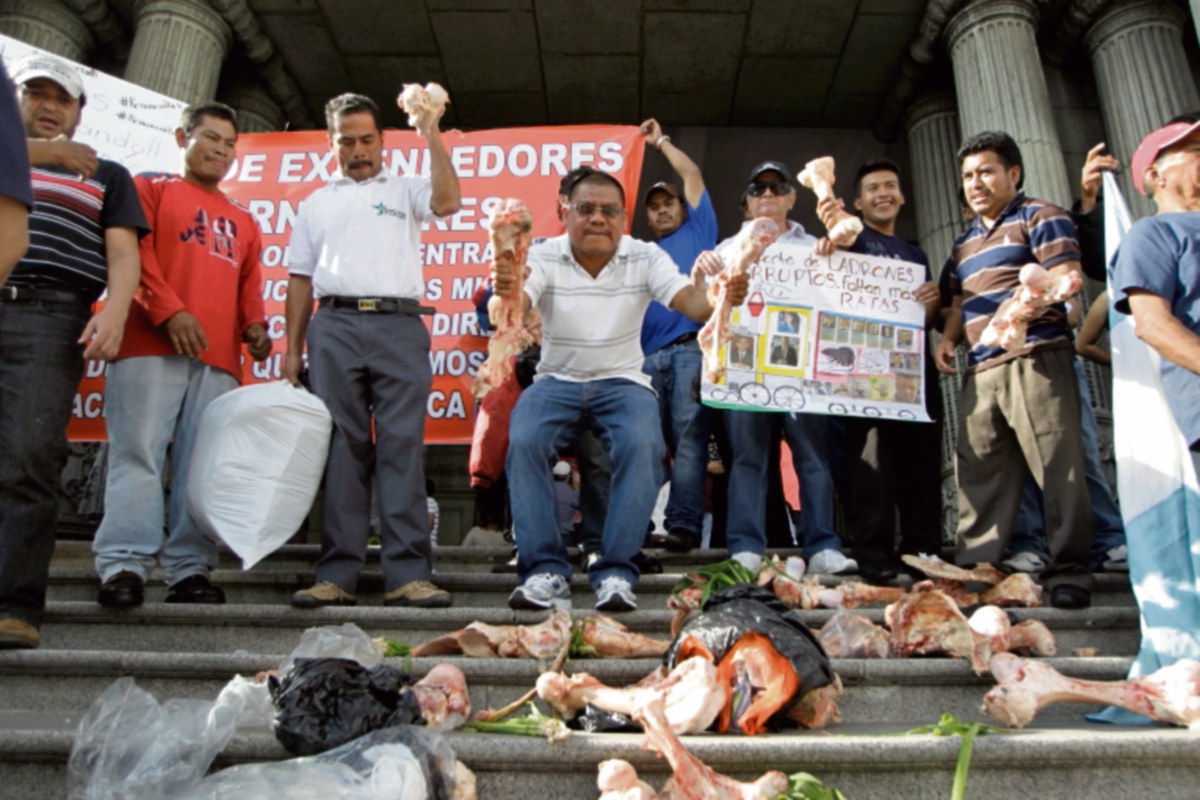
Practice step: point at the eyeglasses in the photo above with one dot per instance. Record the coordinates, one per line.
(778, 188)
(588, 209)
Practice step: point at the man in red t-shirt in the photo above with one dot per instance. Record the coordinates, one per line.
(200, 298)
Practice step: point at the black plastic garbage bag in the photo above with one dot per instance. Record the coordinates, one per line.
(325, 702)
(738, 610)
(597, 720)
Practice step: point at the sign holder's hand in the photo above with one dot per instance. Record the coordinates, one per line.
(943, 356)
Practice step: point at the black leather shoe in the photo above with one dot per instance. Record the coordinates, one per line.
(123, 590)
(877, 572)
(196, 589)
(680, 540)
(1066, 595)
(647, 564)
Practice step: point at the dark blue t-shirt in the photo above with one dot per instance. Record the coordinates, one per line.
(698, 233)
(14, 152)
(1161, 254)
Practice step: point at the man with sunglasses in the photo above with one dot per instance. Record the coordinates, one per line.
(592, 286)
(685, 225)
(772, 194)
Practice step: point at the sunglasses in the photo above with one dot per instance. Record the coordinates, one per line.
(778, 188)
(588, 209)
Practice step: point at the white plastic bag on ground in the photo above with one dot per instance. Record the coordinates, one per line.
(128, 747)
(256, 467)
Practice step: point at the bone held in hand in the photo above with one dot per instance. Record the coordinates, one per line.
(416, 99)
(1038, 288)
(747, 247)
(818, 176)
(510, 229)
(1171, 694)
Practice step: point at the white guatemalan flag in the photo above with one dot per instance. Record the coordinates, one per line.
(1156, 481)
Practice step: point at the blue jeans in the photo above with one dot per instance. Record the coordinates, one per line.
(150, 402)
(685, 427)
(809, 437)
(552, 414)
(40, 368)
(1029, 533)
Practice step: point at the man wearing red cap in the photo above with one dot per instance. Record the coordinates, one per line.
(1156, 271)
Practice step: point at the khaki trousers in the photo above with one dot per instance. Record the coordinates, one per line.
(1024, 413)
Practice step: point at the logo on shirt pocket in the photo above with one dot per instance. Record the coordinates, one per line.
(381, 210)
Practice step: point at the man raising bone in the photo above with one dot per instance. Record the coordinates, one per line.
(592, 286)
(356, 247)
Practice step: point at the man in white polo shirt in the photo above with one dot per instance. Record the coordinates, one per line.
(355, 247)
(592, 286)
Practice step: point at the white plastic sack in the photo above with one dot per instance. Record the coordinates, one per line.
(256, 466)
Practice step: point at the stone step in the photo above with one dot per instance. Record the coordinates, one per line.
(876, 690)
(161, 627)
(470, 589)
(1055, 761)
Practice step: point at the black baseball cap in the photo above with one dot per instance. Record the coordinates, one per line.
(772, 166)
(661, 186)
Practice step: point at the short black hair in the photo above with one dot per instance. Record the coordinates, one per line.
(191, 115)
(874, 165)
(350, 103)
(581, 175)
(998, 142)
(1191, 118)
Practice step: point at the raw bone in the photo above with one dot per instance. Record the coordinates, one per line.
(935, 567)
(817, 708)
(692, 779)
(511, 230)
(618, 780)
(442, 695)
(611, 639)
(852, 594)
(927, 621)
(416, 99)
(691, 695)
(1017, 589)
(1038, 289)
(480, 640)
(746, 248)
(1172, 694)
(1004, 637)
(818, 176)
(683, 603)
(848, 635)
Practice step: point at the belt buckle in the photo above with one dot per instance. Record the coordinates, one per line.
(8, 292)
(368, 304)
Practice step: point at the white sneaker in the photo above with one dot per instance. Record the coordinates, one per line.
(832, 562)
(751, 561)
(541, 591)
(615, 594)
(1117, 560)
(1025, 561)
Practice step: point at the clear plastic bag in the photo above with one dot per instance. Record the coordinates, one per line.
(847, 635)
(336, 641)
(128, 747)
(400, 763)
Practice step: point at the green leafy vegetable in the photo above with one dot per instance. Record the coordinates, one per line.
(534, 724)
(714, 578)
(394, 649)
(950, 725)
(578, 649)
(802, 786)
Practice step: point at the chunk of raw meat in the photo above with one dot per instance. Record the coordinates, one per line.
(847, 635)
(618, 780)
(1039, 288)
(611, 639)
(1017, 589)
(935, 567)
(416, 99)
(511, 231)
(817, 708)
(746, 248)
(1030, 636)
(928, 621)
(480, 640)
(1172, 694)
(692, 696)
(818, 176)
(692, 779)
(442, 695)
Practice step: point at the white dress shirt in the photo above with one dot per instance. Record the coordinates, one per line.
(795, 234)
(363, 239)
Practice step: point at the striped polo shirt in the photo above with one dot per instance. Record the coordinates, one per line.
(67, 225)
(592, 327)
(987, 272)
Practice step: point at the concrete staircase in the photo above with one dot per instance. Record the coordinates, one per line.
(190, 652)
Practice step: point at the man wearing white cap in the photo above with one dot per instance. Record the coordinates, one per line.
(83, 237)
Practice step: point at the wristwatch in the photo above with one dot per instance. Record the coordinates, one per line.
(664, 138)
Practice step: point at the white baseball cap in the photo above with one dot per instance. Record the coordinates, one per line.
(42, 65)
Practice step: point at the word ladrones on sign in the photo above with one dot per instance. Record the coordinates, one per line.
(829, 335)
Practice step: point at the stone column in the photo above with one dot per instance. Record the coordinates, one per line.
(1000, 86)
(931, 124)
(1142, 76)
(257, 112)
(178, 48)
(47, 25)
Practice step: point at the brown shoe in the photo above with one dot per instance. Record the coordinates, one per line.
(420, 594)
(324, 593)
(15, 634)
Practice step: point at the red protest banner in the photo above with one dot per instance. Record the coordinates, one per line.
(275, 172)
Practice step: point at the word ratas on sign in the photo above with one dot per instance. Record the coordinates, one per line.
(839, 335)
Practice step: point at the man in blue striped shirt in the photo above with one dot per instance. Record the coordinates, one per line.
(1018, 407)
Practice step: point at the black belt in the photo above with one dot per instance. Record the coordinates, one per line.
(27, 294)
(683, 338)
(376, 305)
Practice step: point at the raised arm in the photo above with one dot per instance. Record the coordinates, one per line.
(446, 199)
(685, 168)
